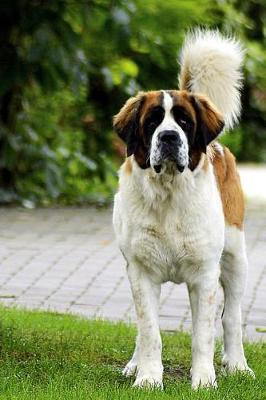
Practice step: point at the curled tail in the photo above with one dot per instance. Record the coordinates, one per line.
(211, 65)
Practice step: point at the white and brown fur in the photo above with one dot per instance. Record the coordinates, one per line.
(178, 214)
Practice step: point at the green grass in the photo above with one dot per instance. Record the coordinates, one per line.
(53, 356)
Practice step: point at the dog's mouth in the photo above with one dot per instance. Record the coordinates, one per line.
(171, 160)
(157, 168)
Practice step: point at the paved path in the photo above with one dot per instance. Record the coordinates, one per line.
(67, 260)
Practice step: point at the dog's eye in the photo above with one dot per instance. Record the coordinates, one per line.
(182, 119)
(183, 123)
(153, 119)
(152, 126)
(157, 115)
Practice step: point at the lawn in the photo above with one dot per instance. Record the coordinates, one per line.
(55, 356)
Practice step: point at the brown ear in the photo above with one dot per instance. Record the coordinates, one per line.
(209, 122)
(126, 122)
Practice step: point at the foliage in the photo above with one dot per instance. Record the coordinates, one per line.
(56, 356)
(248, 20)
(53, 164)
(67, 67)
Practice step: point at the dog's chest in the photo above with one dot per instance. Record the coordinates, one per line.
(172, 247)
(177, 236)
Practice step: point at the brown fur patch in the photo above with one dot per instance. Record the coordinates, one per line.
(207, 119)
(127, 166)
(127, 111)
(129, 124)
(152, 99)
(230, 187)
(182, 98)
(211, 117)
(195, 156)
(185, 78)
(206, 163)
(149, 101)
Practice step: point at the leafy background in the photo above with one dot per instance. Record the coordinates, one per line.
(66, 67)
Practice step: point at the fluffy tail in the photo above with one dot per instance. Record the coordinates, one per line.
(211, 65)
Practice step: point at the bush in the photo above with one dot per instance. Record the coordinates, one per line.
(67, 67)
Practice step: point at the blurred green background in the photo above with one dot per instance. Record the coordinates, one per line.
(67, 66)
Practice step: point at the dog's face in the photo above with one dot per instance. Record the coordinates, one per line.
(168, 128)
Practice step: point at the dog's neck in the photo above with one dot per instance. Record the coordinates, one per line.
(153, 189)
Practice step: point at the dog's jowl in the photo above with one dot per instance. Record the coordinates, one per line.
(178, 214)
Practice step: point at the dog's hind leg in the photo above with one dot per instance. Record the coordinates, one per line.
(233, 279)
(147, 355)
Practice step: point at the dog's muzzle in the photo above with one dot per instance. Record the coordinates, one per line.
(170, 144)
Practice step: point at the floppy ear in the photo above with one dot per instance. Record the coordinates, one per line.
(126, 122)
(209, 122)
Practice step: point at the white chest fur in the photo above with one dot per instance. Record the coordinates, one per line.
(172, 224)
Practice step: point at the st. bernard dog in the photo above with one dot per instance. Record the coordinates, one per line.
(179, 211)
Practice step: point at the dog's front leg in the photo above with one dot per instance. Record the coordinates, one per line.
(131, 367)
(146, 294)
(202, 294)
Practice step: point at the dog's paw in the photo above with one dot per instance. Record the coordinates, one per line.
(130, 369)
(148, 382)
(203, 377)
(234, 365)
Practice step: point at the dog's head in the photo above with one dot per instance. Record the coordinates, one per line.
(168, 128)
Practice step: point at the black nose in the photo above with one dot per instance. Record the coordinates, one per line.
(170, 137)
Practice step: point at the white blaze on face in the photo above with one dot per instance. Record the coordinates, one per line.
(170, 124)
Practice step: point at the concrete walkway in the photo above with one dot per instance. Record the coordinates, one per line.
(66, 260)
